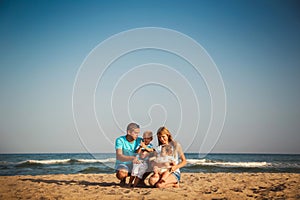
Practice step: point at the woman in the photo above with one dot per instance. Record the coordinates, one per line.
(173, 176)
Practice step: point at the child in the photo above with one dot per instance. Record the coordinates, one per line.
(162, 164)
(143, 153)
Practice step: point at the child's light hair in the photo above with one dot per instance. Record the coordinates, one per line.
(148, 134)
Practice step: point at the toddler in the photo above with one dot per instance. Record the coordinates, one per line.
(143, 153)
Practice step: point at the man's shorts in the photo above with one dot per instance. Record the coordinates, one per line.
(127, 167)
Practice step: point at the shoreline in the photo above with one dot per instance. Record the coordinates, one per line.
(192, 186)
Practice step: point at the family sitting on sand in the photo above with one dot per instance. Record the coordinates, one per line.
(137, 158)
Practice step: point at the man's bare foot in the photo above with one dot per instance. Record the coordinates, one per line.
(123, 182)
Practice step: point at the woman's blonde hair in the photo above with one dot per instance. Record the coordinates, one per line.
(164, 131)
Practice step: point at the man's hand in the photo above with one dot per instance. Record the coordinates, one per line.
(135, 160)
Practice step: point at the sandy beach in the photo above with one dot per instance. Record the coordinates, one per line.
(192, 186)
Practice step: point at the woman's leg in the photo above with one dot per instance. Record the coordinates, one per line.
(164, 176)
(171, 180)
(154, 179)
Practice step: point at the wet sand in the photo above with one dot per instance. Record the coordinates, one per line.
(192, 186)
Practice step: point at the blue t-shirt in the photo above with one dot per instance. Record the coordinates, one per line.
(127, 147)
(150, 145)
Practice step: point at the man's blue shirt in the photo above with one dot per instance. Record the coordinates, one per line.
(127, 147)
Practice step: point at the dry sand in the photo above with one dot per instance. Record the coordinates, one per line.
(193, 186)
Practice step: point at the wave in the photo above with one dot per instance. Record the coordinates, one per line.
(95, 170)
(190, 162)
(108, 160)
(205, 162)
(64, 161)
(4, 163)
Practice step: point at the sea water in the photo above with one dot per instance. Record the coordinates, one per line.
(40, 164)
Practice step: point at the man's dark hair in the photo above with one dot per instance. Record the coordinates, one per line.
(132, 126)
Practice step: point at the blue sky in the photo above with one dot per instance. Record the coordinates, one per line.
(255, 45)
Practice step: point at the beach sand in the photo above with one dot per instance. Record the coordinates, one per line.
(192, 186)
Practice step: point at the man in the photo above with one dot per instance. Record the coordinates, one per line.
(126, 146)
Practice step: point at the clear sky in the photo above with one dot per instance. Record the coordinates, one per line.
(254, 44)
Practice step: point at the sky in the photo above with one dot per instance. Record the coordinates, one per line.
(46, 46)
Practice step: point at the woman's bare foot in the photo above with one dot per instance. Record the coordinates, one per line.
(154, 179)
(176, 185)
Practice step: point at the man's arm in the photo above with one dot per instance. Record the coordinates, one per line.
(123, 158)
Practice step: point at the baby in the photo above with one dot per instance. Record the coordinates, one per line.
(162, 164)
(143, 153)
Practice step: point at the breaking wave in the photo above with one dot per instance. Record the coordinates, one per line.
(65, 161)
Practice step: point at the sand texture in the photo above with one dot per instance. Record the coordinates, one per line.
(192, 186)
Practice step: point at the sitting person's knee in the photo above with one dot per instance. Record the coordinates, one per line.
(152, 182)
(153, 179)
(121, 174)
(160, 185)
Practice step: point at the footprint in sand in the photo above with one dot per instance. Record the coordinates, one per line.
(147, 193)
(127, 191)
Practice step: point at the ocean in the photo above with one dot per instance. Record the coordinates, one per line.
(73, 163)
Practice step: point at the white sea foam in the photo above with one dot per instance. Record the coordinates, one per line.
(60, 161)
(64, 161)
(97, 160)
(196, 161)
(205, 162)
(4, 162)
(191, 162)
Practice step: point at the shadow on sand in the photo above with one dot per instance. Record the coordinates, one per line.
(64, 182)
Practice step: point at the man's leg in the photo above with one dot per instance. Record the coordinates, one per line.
(122, 173)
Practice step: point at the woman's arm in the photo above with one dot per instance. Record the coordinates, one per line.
(181, 156)
(181, 164)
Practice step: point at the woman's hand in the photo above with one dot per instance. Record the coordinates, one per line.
(173, 168)
(172, 163)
